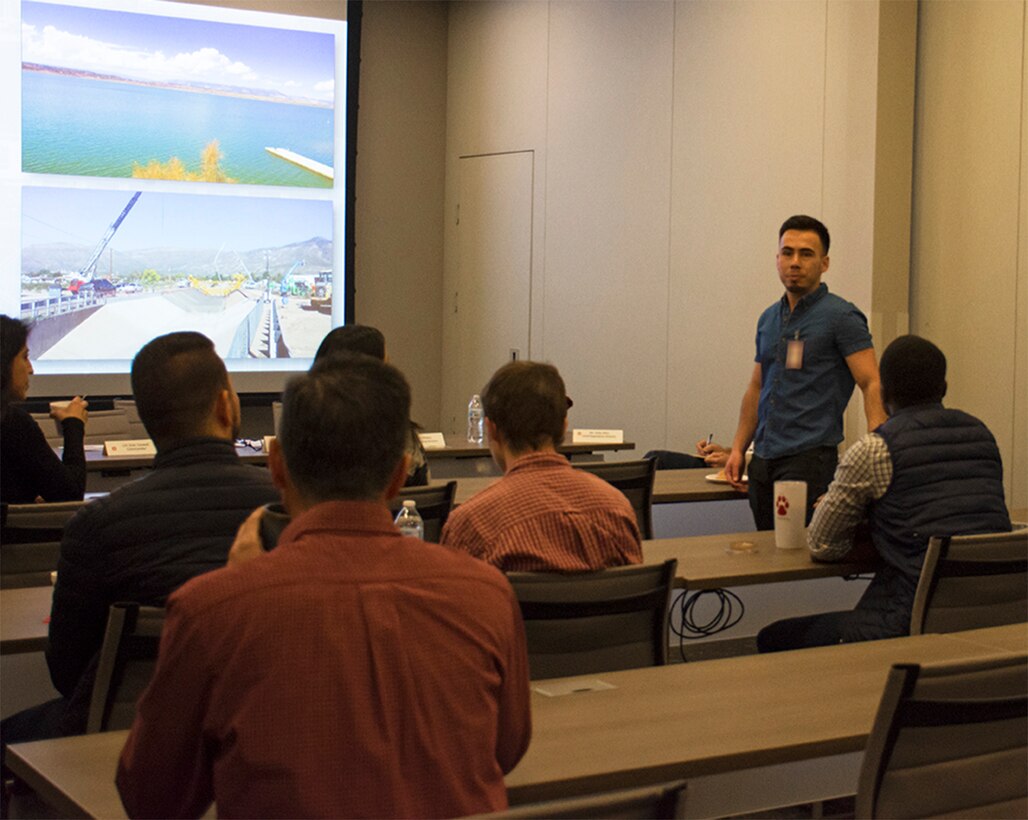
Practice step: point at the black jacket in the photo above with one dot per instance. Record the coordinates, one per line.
(947, 479)
(145, 540)
(29, 467)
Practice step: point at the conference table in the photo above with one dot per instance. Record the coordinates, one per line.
(743, 559)
(24, 619)
(634, 727)
(704, 562)
(457, 448)
(669, 487)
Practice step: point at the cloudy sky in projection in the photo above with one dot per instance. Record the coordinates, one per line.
(154, 48)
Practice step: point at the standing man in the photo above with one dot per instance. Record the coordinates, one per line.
(812, 347)
(349, 672)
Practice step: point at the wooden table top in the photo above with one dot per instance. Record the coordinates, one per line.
(710, 562)
(24, 619)
(656, 724)
(669, 487)
(1013, 638)
(693, 719)
(704, 562)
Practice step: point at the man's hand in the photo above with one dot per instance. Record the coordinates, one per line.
(734, 468)
(75, 409)
(247, 545)
(713, 454)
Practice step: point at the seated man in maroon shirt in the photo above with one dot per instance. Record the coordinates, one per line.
(349, 672)
(543, 515)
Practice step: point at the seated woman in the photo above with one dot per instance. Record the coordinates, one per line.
(370, 341)
(29, 468)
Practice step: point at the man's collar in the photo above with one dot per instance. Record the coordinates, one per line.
(809, 300)
(529, 460)
(367, 517)
(209, 447)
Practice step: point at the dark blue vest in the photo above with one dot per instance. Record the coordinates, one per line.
(947, 479)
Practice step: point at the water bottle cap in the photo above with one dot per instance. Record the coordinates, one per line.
(409, 503)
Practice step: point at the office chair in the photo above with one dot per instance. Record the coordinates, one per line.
(949, 739)
(30, 542)
(434, 506)
(972, 581)
(635, 480)
(582, 623)
(661, 802)
(127, 660)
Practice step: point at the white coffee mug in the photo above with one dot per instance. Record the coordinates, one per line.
(790, 508)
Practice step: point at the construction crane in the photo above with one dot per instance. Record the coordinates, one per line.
(85, 277)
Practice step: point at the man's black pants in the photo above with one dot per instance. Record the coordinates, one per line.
(816, 467)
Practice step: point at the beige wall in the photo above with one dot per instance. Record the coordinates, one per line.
(969, 271)
(399, 208)
(671, 140)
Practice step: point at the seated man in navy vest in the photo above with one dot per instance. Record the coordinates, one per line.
(926, 471)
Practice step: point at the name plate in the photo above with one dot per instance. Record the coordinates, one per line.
(572, 687)
(132, 447)
(432, 441)
(597, 436)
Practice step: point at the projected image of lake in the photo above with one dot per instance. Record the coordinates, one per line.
(93, 127)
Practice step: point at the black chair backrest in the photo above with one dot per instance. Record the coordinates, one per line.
(126, 664)
(30, 542)
(434, 505)
(972, 581)
(949, 740)
(661, 802)
(583, 623)
(635, 480)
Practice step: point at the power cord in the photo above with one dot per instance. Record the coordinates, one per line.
(729, 612)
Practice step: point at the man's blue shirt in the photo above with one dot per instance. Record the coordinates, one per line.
(801, 407)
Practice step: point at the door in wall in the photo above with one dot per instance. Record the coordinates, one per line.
(492, 302)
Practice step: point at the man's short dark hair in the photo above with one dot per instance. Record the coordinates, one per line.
(344, 427)
(802, 222)
(528, 404)
(913, 371)
(353, 339)
(176, 380)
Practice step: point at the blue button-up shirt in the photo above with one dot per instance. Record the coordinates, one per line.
(801, 407)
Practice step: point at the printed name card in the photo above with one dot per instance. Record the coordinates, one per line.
(572, 687)
(432, 441)
(132, 447)
(597, 436)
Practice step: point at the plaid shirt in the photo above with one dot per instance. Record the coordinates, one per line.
(863, 476)
(546, 516)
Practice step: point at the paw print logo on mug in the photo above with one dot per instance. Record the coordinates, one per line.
(783, 505)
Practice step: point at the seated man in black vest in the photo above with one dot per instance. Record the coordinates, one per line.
(147, 538)
(926, 471)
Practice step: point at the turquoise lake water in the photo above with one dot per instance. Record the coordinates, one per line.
(97, 128)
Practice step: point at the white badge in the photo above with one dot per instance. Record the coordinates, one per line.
(794, 355)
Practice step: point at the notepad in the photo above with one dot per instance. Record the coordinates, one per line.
(576, 686)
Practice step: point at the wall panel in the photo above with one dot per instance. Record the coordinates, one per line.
(967, 222)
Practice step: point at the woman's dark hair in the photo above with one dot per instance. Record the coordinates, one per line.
(14, 335)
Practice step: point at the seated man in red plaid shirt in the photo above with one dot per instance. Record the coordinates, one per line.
(543, 515)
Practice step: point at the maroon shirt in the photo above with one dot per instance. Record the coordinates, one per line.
(546, 516)
(351, 672)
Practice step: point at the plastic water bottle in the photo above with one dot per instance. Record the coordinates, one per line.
(409, 522)
(475, 416)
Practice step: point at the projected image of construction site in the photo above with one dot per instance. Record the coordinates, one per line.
(103, 272)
